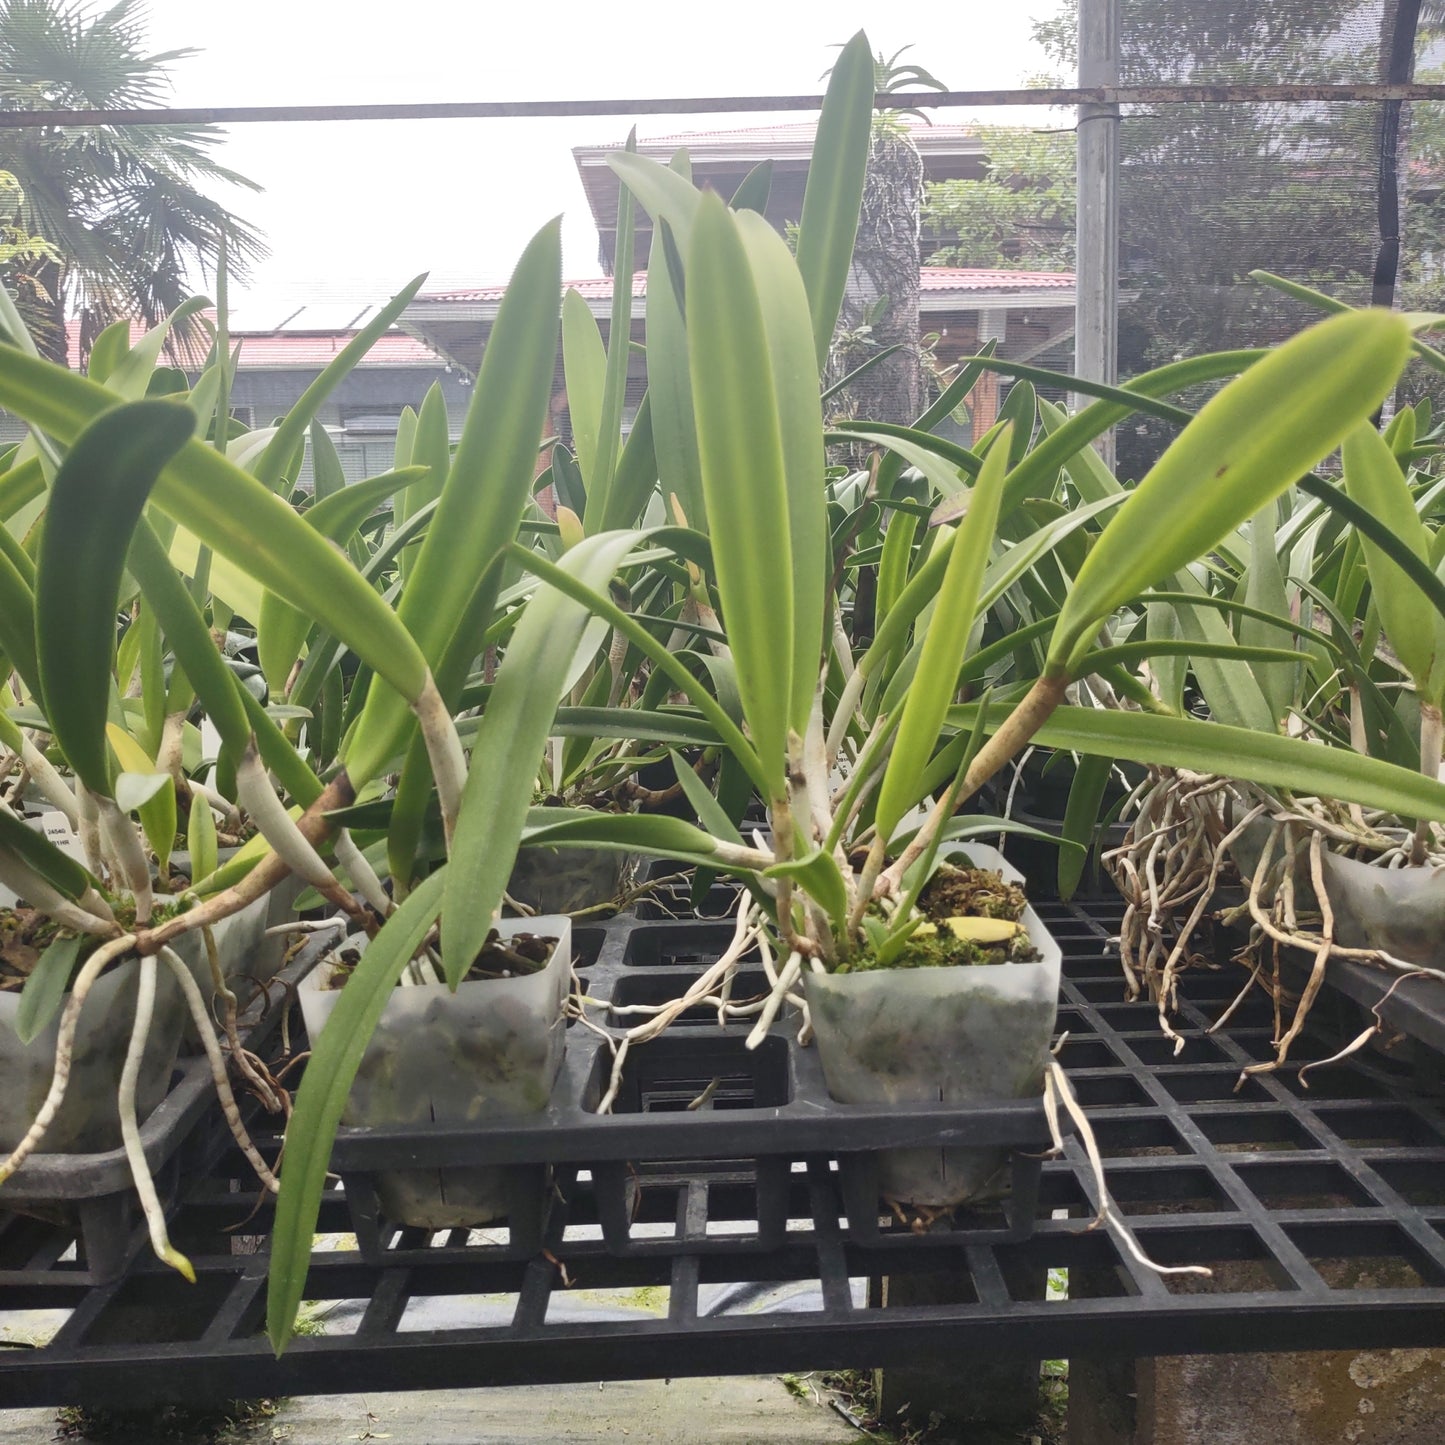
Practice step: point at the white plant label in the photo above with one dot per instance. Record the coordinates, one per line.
(56, 827)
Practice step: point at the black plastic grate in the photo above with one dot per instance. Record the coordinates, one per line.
(1322, 1211)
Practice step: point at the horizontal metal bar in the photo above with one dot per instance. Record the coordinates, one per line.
(586, 1139)
(131, 1374)
(714, 105)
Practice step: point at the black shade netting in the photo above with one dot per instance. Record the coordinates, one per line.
(1209, 192)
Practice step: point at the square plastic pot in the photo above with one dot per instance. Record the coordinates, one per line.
(491, 1050)
(964, 1036)
(87, 1122)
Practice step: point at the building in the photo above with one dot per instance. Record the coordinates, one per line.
(1030, 315)
(277, 364)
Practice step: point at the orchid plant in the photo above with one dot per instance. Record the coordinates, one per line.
(846, 747)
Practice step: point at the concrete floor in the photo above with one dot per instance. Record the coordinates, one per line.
(739, 1410)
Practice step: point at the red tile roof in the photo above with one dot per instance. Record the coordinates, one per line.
(966, 278)
(799, 131)
(931, 279)
(291, 350)
(281, 349)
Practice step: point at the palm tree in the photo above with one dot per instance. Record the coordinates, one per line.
(121, 205)
(880, 308)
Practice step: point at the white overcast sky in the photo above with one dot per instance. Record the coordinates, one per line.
(353, 210)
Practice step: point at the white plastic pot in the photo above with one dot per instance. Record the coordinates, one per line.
(964, 1035)
(87, 1121)
(491, 1050)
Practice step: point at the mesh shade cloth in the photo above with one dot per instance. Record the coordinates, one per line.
(1210, 192)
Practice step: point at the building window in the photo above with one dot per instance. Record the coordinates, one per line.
(380, 420)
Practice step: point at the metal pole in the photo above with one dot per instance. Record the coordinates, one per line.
(1289, 93)
(1097, 265)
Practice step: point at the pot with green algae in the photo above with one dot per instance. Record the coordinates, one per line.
(963, 1021)
(491, 1050)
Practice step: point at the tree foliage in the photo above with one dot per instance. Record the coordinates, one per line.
(1019, 216)
(125, 209)
(1210, 192)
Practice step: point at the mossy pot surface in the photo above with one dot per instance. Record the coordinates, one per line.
(958, 1035)
(570, 880)
(491, 1050)
(1398, 910)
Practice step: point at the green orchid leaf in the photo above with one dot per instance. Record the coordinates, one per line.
(49, 981)
(1432, 358)
(584, 361)
(711, 813)
(669, 393)
(945, 644)
(821, 879)
(666, 195)
(17, 615)
(619, 345)
(834, 193)
(484, 497)
(140, 788)
(938, 459)
(311, 1129)
(638, 724)
(233, 514)
(1210, 747)
(1369, 526)
(10, 735)
(664, 661)
(325, 652)
(1264, 589)
(635, 479)
(432, 449)
(784, 305)
(134, 790)
(510, 743)
(1081, 816)
(744, 476)
(130, 378)
(281, 628)
(19, 487)
(1248, 443)
(201, 838)
(655, 834)
(1139, 394)
(49, 863)
(234, 713)
(754, 189)
(95, 503)
(1231, 692)
(108, 350)
(1415, 629)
